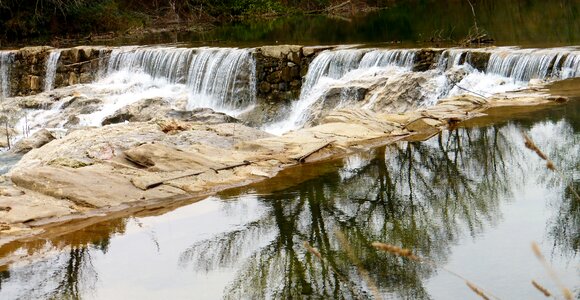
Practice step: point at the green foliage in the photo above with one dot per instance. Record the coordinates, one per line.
(102, 16)
(407, 20)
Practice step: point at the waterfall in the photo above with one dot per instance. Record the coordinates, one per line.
(337, 66)
(166, 63)
(220, 78)
(526, 64)
(51, 64)
(571, 66)
(6, 60)
(385, 58)
(451, 58)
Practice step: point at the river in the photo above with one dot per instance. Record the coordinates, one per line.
(471, 200)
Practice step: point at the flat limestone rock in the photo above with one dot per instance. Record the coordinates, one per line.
(158, 157)
(279, 51)
(91, 187)
(424, 125)
(27, 207)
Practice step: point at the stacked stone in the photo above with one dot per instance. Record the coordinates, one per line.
(28, 69)
(280, 70)
(76, 65)
(79, 65)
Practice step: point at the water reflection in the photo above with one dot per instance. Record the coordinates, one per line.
(422, 196)
(521, 22)
(432, 197)
(65, 269)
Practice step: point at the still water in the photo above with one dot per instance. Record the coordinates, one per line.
(470, 200)
(537, 23)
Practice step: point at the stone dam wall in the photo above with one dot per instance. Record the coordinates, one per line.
(280, 70)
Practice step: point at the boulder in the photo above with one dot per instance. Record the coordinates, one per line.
(37, 140)
(201, 115)
(159, 108)
(140, 111)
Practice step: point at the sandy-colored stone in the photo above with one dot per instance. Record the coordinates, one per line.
(37, 140)
(279, 51)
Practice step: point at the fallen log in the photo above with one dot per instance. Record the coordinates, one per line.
(303, 158)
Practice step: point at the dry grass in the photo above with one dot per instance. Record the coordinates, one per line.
(529, 143)
(542, 289)
(565, 291)
(408, 254)
(339, 275)
(366, 277)
(312, 250)
(395, 250)
(477, 290)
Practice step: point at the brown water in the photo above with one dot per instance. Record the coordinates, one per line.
(471, 200)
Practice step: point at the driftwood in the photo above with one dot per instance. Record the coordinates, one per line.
(328, 9)
(144, 185)
(302, 158)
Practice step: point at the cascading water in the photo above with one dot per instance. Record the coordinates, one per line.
(331, 67)
(51, 64)
(451, 58)
(219, 78)
(526, 64)
(224, 79)
(507, 69)
(6, 60)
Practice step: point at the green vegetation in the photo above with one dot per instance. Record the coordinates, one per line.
(31, 18)
(297, 21)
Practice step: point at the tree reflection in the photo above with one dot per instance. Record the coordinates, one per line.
(69, 273)
(421, 196)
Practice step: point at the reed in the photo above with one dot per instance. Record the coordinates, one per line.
(312, 250)
(529, 143)
(408, 254)
(340, 277)
(395, 250)
(565, 291)
(478, 291)
(365, 275)
(542, 289)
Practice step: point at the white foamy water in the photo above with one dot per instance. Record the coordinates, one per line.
(51, 65)
(219, 78)
(526, 64)
(508, 69)
(332, 68)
